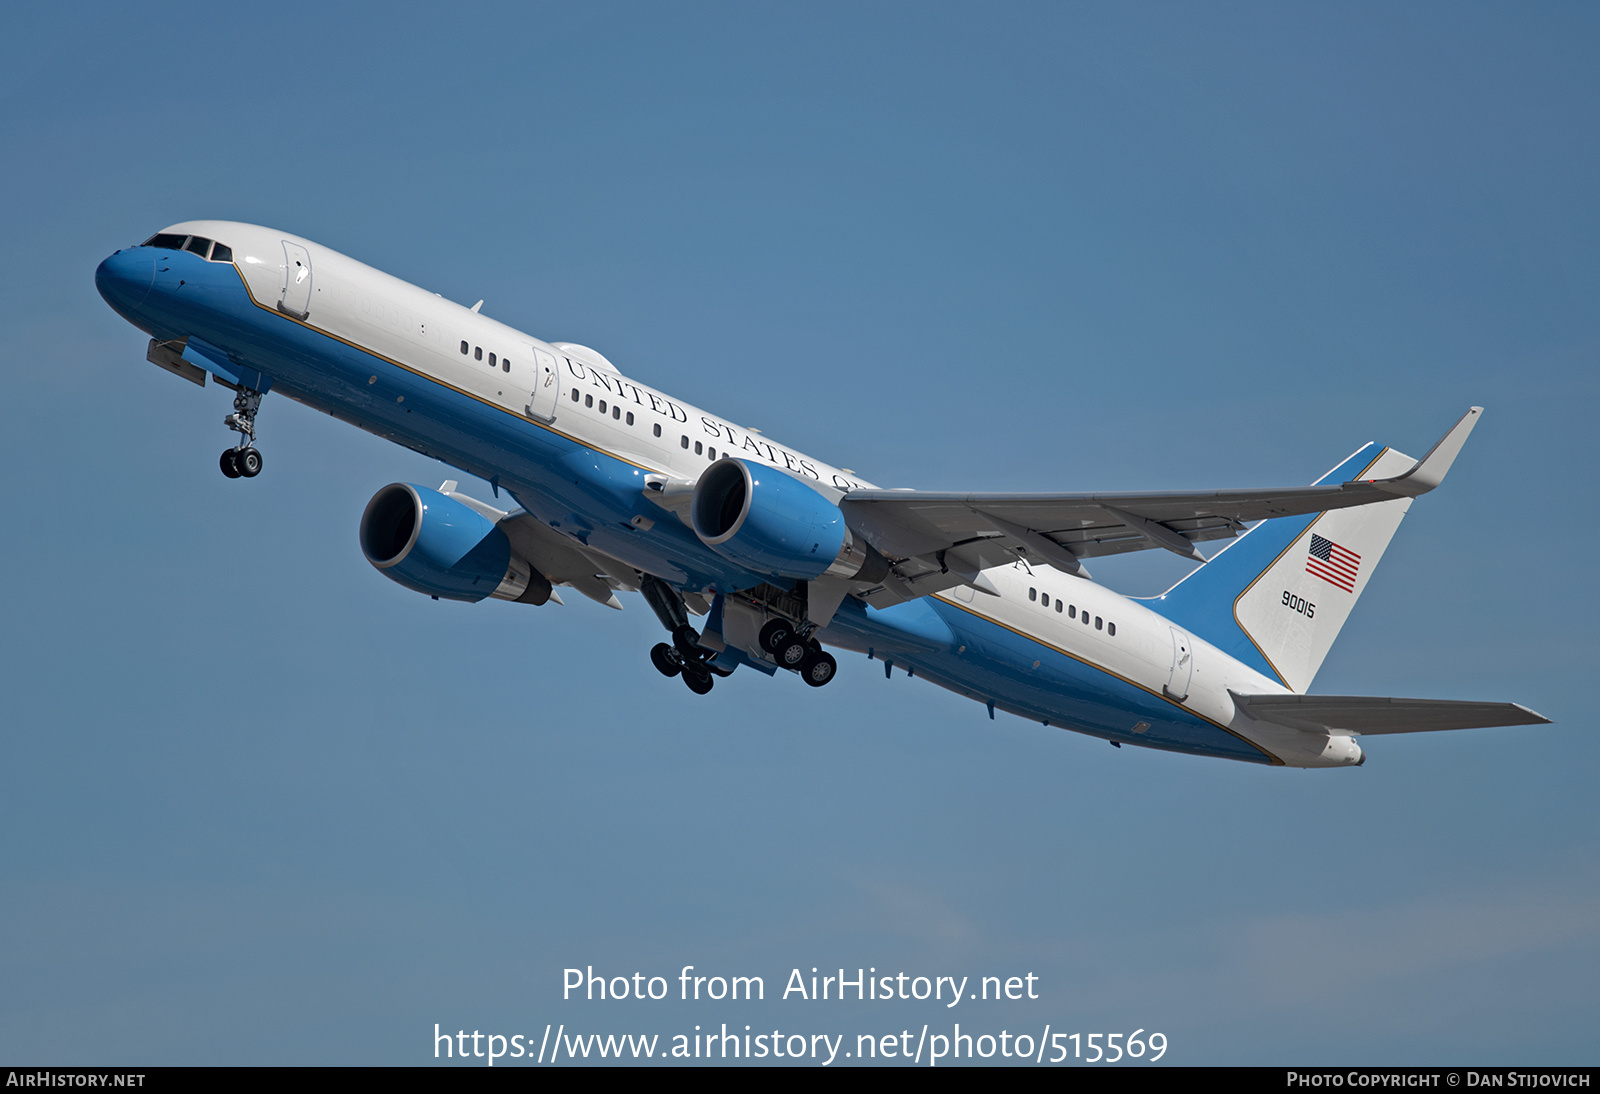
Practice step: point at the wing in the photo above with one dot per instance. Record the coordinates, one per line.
(960, 534)
(1379, 714)
(561, 560)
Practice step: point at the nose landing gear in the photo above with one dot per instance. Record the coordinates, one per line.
(241, 462)
(244, 459)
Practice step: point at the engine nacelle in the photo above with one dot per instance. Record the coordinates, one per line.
(773, 523)
(434, 544)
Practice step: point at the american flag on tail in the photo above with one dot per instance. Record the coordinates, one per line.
(1332, 563)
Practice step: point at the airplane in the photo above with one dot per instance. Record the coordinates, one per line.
(615, 486)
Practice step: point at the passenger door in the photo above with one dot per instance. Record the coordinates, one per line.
(546, 387)
(1177, 685)
(296, 300)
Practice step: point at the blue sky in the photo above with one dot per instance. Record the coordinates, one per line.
(260, 805)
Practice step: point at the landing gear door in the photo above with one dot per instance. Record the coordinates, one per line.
(546, 387)
(296, 299)
(1177, 685)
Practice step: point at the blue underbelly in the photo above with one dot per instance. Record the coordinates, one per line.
(983, 660)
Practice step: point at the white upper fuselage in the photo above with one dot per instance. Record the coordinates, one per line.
(425, 332)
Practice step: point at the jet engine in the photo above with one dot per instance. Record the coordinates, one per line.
(434, 544)
(773, 523)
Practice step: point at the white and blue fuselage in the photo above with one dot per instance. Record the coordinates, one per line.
(576, 443)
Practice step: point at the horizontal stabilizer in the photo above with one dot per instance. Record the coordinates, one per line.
(1381, 714)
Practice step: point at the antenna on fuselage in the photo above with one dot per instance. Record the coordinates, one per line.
(476, 306)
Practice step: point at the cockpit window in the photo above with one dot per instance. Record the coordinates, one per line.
(200, 245)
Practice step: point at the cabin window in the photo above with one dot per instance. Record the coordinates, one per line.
(1033, 594)
(1086, 617)
(602, 406)
(198, 245)
(588, 400)
(1097, 623)
(492, 361)
(616, 412)
(711, 453)
(222, 253)
(163, 239)
(657, 428)
(630, 417)
(477, 353)
(1044, 599)
(1111, 629)
(463, 349)
(1058, 605)
(505, 364)
(1072, 611)
(697, 448)
(685, 443)
(574, 394)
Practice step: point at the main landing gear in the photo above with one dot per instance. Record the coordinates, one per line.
(799, 652)
(685, 656)
(791, 647)
(669, 660)
(244, 459)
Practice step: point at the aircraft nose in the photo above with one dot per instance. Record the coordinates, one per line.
(124, 279)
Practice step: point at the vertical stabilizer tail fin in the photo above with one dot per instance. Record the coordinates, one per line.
(1277, 596)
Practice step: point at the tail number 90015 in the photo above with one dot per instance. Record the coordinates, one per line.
(1299, 604)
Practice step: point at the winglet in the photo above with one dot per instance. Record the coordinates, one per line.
(1430, 471)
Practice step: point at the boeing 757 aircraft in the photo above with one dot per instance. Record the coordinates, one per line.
(620, 487)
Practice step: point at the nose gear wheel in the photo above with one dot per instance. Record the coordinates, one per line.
(244, 459)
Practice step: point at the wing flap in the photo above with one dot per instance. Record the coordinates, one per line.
(564, 562)
(1370, 714)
